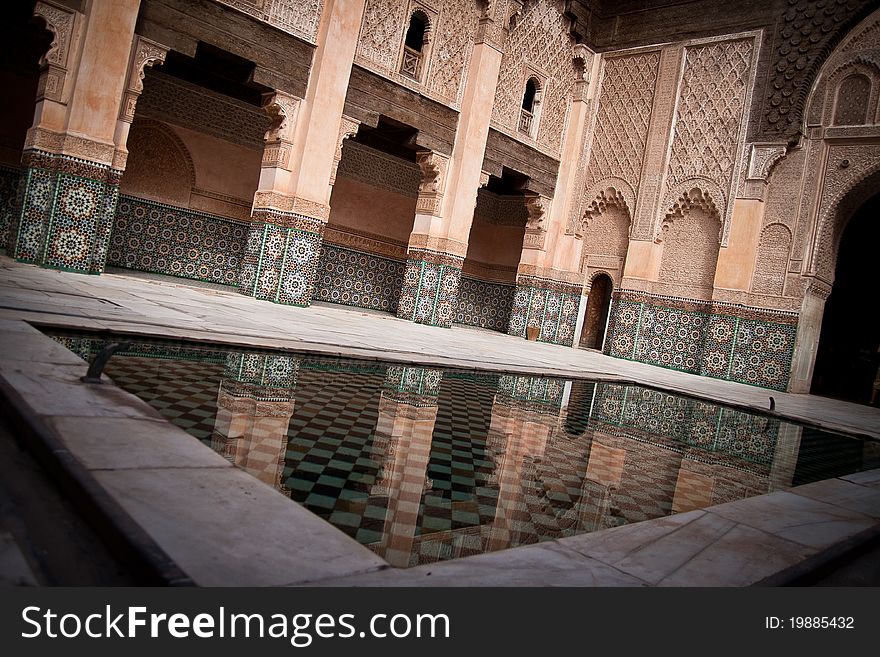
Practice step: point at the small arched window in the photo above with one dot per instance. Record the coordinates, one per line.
(530, 102)
(414, 45)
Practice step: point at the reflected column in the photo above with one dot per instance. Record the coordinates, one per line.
(254, 406)
(524, 415)
(407, 413)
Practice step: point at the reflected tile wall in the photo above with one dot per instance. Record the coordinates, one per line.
(422, 464)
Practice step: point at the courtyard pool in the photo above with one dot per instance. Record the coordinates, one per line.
(423, 464)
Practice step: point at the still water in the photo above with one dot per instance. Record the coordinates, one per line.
(422, 464)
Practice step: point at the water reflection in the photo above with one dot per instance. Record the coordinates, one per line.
(423, 464)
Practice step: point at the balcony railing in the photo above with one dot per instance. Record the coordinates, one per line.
(411, 66)
(525, 121)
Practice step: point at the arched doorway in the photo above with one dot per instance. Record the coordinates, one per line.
(598, 304)
(847, 358)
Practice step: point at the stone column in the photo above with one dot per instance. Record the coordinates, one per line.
(524, 414)
(254, 406)
(447, 195)
(433, 267)
(70, 166)
(548, 280)
(291, 205)
(404, 430)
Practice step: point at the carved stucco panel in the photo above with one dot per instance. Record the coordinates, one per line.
(846, 167)
(653, 168)
(606, 240)
(297, 17)
(171, 99)
(540, 43)
(625, 102)
(144, 53)
(368, 165)
(690, 253)
(59, 21)
(709, 119)
(452, 32)
(772, 260)
(500, 210)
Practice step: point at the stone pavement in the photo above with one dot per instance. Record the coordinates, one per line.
(180, 309)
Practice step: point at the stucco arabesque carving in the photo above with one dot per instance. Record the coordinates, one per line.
(433, 166)
(850, 170)
(540, 46)
(297, 17)
(538, 208)
(692, 193)
(762, 157)
(270, 200)
(600, 195)
(61, 22)
(452, 28)
(282, 110)
(347, 128)
(621, 129)
(144, 53)
(710, 121)
(66, 144)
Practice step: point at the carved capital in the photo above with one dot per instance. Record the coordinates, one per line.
(347, 129)
(61, 22)
(819, 288)
(282, 110)
(144, 53)
(492, 33)
(537, 206)
(433, 166)
(582, 57)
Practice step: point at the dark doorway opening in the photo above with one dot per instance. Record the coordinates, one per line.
(847, 359)
(598, 303)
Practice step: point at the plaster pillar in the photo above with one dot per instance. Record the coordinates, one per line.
(291, 205)
(736, 261)
(519, 431)
(407, 413)
(809, 329)
(70, 167)
(254, 406)
(447, 195)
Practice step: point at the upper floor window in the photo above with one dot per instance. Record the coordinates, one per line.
(528, 114)
(414, 46)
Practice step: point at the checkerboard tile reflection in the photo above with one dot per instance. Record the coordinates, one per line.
(422, 464)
